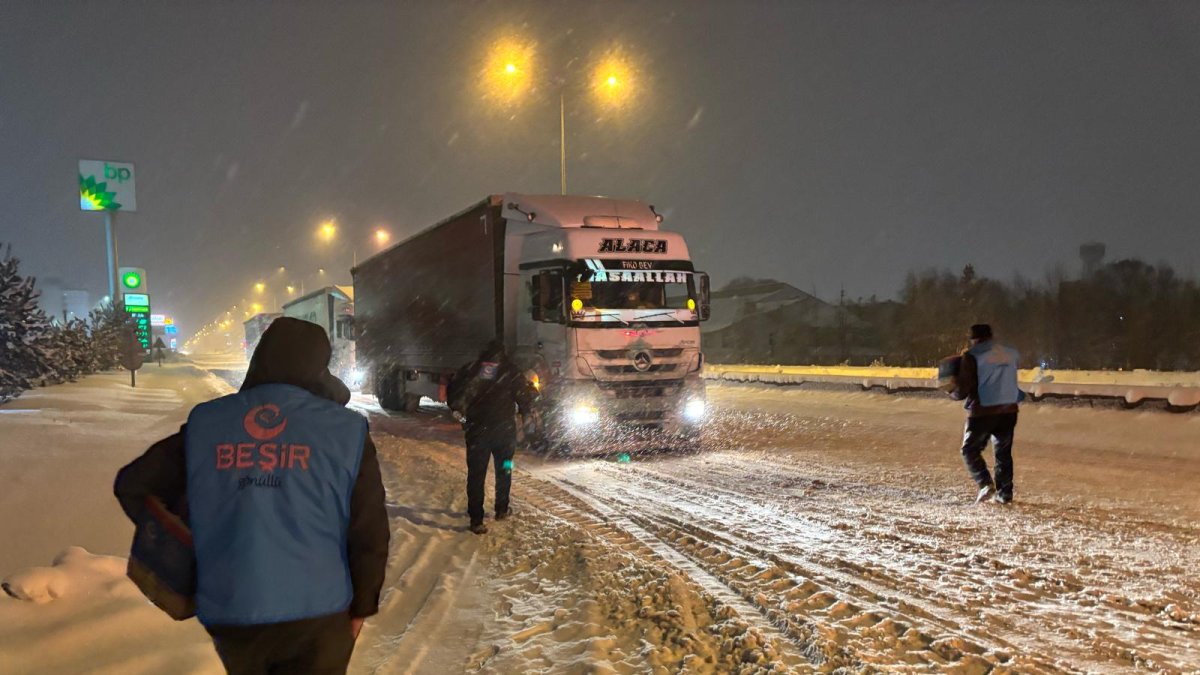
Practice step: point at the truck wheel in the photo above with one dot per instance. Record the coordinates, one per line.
(411, 403)
(386, 390)
(405, 401)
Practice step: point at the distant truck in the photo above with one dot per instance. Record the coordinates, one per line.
(332, 308)
(254, 327)
(600, 307)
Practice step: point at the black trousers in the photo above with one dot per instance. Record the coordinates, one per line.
(321, 645)
(480, 449)
(1000, 430)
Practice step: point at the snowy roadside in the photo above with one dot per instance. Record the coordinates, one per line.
(64, 536)
(61, 447)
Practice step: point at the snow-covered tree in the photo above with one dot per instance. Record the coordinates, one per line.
(111, 329)
(27, 337)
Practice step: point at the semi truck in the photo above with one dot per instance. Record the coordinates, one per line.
(598, 306)
(332, 308)
(254, 327)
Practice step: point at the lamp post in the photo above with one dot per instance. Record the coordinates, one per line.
(508, 79)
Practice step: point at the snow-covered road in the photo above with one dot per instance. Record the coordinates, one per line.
(842, 525)
(818, 531)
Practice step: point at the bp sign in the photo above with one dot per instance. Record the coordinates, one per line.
(107, 186)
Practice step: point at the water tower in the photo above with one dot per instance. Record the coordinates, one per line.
(1092, 255)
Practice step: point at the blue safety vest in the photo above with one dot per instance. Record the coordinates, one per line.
(269, 477)
(997, 367)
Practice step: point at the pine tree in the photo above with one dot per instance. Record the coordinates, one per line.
(27, 336)
(111, 329)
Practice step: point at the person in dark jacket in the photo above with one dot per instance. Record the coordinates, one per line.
(987, 381)
(281, 488)
(488, 392)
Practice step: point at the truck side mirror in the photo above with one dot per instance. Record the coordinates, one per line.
(548, 296)
(705, 295)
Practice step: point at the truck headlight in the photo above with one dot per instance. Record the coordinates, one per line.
(583, 415)
(356, 377)
(695, 410)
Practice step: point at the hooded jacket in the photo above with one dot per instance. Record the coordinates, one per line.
(296, 353)
(488, 392)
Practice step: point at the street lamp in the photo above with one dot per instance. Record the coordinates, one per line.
(327, 231)
(382, 236)
(507, 72)
(507, 79)
(614, 80)
(260, 287)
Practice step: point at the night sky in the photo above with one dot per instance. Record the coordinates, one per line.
(826, 144)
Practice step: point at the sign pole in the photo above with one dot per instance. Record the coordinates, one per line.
(110, 236)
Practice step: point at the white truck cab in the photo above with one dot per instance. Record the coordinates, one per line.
(612, 329)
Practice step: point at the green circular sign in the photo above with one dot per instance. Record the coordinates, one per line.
(131, 280)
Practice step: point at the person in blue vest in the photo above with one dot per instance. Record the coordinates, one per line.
(987, 381)
(281, 488)
(488, 393)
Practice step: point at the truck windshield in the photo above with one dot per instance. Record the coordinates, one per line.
(599, 289)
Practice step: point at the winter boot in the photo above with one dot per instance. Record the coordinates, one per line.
(501, 515)
(478, 528)
(1002, 498)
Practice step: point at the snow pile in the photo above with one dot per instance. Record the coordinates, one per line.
(72, 570)
(82, 614)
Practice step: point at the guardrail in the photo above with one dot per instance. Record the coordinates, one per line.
(1177, 396)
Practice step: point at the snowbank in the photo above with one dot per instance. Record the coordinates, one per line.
(61, 447)
(82, 614)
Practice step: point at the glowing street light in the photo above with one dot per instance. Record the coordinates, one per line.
(614, 81)
(507, 79)
(260, 287)
(291, 290)
(506, 76)
(382, 236)
(327, 231)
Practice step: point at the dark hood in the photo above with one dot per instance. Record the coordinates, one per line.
(295, 352)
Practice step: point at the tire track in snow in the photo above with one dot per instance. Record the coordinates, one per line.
(1058, 588)
(595, 516)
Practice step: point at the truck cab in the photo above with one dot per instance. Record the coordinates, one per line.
(610, 327)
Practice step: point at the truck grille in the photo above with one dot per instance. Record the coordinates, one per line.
(654, 368)
(612, 354)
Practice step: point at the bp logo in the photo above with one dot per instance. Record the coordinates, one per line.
(264, 422)
(96, 196)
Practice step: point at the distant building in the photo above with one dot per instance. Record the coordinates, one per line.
(770, 322)
(50, 297)
(62, 304)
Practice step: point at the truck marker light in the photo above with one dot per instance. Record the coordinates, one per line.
(577, 305)
(691, 305)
